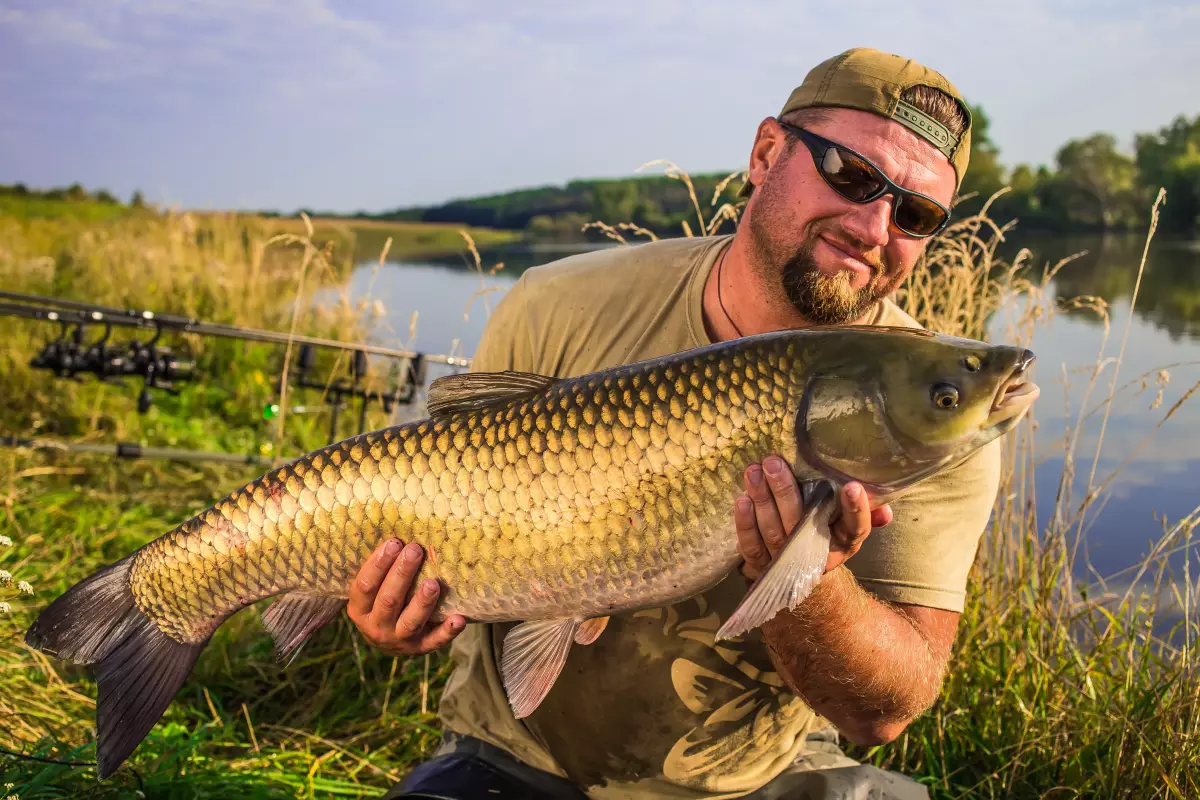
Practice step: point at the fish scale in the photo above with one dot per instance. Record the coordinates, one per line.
(553, 502)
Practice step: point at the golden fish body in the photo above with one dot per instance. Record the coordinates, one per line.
(554, 502)
(598, 495)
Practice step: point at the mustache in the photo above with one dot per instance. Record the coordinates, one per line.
(868, 254)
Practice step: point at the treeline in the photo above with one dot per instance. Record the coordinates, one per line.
(657, 203)
(75, 193)
(1092, 186)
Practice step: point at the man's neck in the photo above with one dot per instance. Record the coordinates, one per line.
(737, 303)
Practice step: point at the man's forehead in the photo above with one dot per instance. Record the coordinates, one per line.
(904, 156)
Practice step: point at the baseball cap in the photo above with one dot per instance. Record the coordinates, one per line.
(871, 80)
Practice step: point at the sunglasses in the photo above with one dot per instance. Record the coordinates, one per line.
(858, 180)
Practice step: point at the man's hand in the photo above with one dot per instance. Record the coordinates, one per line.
(377, 597)
(771, 507)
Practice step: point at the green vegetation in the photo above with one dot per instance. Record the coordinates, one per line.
(657, 203)
(1051, 692)
(1094, 185)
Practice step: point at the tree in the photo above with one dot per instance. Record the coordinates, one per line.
(985, 173)
(1096, 183)
(1170, 159)
(137, 201)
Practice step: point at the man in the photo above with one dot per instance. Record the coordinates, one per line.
(656, 707)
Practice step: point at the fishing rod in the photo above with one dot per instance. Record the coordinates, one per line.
(71, 355)
(78, 313)
(133, 451)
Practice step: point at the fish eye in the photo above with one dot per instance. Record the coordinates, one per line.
(945, 396)
(972, 363)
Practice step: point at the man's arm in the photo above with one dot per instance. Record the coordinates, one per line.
(867, 666)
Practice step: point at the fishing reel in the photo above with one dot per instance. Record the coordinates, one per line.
(404, 376)
(158, 366)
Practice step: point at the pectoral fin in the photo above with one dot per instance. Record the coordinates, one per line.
(794, 572)
(294, 617)
(534, 654)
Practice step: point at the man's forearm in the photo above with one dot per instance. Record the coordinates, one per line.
(858, 662)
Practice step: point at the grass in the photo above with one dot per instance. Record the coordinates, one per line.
(1054, 690)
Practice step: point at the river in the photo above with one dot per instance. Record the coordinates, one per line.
(1162, 474)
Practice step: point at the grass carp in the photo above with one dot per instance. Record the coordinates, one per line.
(554, 502)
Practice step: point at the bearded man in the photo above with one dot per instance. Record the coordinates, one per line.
(846, 186)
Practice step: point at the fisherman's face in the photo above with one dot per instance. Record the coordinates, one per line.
(832, 259)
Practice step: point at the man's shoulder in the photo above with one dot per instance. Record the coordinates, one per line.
(612, 271)
(890, 313)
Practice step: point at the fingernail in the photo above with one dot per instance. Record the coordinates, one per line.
(743, 504)
(755, 475)
(854, 491)
(412, 552)
(430, 588)
(391, 548)
(773, 465)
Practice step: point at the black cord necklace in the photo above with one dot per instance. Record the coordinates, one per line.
(720, 267)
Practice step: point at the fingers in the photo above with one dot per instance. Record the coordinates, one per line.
(443, 634)
(370, 577)
(775, 495)
(377, 603)
(881, 516)
(855, 524)
(750, 544)
(389, 601)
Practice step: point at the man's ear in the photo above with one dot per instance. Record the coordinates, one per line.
(769, 141)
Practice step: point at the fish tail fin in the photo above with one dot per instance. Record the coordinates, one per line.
(138, 668)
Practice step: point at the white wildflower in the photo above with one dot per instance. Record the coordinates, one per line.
(4, 540)
(5, 608)
(5, 577)
(25, 587)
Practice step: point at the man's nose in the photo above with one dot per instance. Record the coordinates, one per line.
(869, 222)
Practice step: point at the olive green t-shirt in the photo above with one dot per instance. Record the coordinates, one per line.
(656, 707)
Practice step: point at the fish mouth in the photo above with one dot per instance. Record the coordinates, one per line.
(1015, 395)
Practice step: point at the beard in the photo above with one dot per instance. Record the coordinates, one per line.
(825, 299)
(820, 298)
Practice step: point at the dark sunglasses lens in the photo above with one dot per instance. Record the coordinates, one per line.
(918, 216)
(854, 178)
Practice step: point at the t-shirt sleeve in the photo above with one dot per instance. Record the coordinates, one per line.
(505, 343)
(923, 557)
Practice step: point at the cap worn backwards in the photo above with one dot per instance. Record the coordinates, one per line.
(870, 80)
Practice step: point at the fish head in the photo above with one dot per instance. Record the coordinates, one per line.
(896, 407)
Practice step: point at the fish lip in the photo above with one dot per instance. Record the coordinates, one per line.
(1016, 393)
(1017, 381)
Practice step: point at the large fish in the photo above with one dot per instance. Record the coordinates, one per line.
(556, 502)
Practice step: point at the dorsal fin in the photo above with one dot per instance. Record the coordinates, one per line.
(474, 391)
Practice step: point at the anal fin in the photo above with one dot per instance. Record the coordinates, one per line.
(797, 569)
(294, 617)
(534, 655)
(590, 630)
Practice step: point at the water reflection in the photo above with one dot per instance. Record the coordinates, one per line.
(1169, 295)
(1159, 461)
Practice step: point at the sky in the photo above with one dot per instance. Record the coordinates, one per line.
(347, 106)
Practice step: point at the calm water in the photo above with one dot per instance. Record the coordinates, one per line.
(1163, 474)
